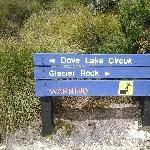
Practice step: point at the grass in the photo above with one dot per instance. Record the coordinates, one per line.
(66, 126)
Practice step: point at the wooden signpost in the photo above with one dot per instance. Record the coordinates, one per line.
(90, 75)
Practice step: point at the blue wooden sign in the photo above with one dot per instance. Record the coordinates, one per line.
(92, 88)
(91, 72)
(90, 75)
(51, 59)
(82, 74)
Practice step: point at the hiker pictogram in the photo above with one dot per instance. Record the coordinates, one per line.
(125, 88)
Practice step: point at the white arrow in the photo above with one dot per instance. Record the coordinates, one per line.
(107, 73)
(52, 60)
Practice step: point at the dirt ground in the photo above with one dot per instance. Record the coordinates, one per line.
(117, 127)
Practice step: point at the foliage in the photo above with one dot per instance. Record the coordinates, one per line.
(13, 14)
(53, 31)
(65, 26)
(67, 4)
(66, 126)
(135, 20)
(110, 37)
(104, 6)
(76, 31)
(17, 102)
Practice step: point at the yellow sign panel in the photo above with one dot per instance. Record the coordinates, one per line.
(125, 88)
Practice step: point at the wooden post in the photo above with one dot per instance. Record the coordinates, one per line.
(47, 115)
(145, 110)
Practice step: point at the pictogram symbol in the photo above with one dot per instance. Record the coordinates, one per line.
(125, 88)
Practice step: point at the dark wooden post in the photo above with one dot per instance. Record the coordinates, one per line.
(47, 115)
(145, 110)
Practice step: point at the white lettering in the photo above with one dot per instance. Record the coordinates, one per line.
(94, 60)
(129, 61)
(89, 73)
(54, 73)
(63, 60)
(111, 60)
(68, 91)
(70, 60)
(120, 61)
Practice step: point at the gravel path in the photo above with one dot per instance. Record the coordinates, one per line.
(114, 128)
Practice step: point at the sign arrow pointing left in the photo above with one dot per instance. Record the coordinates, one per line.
(52, 60)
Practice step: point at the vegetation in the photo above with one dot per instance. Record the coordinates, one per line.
(79, 30)
(60, 26)
(66, 126)
(14, 13)
(135, 21)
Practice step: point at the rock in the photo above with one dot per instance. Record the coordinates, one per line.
(2, 147)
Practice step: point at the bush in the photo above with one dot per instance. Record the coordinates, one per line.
(111, 39)
(135, 20)
(67, 4)
(57, 32)
(14, 13)
(104, 6)
(17, 102)
(75, 31)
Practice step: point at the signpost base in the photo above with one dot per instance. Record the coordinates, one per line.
(146, 111)
(47, 115)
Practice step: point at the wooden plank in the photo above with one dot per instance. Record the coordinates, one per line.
(91, 72)
(54, 59)
(92, 88)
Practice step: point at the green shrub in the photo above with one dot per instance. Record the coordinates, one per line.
(66, 4)
(58, 32)
(110, 37)
(135, 20)
(17, 102)
(104, 6)
(14, 13)
(75, 31)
